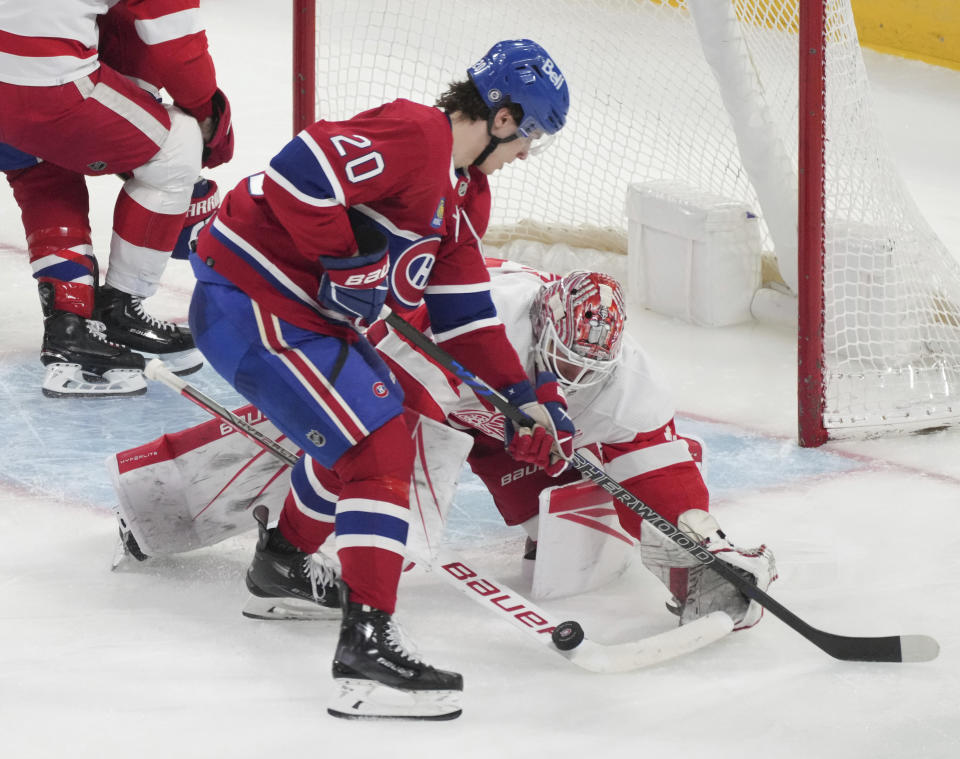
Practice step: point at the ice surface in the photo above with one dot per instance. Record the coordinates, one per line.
(156, 660)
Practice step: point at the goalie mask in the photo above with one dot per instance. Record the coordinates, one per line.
(578, 325)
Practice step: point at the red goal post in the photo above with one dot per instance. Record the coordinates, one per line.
(765, 103)
(810, 225)
(304, 63)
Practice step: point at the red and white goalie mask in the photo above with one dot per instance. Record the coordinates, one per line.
(578, 324)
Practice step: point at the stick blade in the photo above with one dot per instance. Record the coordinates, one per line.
(647, 652)
(917, 648)
(892, 648)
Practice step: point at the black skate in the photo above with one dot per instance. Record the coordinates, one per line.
(129, 325)
(529, 559)
(378, 677)
(80, 360)
(286, 583)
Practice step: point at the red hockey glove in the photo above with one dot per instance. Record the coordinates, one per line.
(357, 286)
(218, 148)
(549, 443)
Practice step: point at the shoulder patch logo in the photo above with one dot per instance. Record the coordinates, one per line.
(437, 221)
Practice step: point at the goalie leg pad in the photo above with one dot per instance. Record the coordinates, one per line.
(697, 589)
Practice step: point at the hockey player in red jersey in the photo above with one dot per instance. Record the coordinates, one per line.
(573, 326)
(386, 207)
(85, 102)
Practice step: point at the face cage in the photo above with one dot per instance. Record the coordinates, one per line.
(550, 350)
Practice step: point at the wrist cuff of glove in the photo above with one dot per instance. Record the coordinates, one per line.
(520, 393)
(372, 248)
(339, 263)
(548, 389)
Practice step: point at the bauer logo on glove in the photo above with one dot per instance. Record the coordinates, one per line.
(356, 287)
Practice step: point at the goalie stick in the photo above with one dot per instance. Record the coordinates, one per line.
(491, 593)
(892, 648)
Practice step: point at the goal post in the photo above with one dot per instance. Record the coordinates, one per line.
(810, 228)
(762, 104)
(304, 63)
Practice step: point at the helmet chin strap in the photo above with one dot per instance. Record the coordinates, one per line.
(494, 142)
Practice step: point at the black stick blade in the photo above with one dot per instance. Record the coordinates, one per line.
(894, 648)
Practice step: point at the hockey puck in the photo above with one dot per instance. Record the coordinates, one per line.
(567, 635)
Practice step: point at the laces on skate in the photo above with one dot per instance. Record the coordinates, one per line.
(136, 303)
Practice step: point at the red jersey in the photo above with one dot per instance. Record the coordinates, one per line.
(390, 167)
(57, 41)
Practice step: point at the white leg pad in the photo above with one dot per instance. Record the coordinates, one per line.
(580, 543)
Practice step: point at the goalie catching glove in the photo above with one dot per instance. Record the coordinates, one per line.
(357, 286)
(548, 443)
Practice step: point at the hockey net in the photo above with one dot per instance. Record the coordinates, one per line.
(694, 94)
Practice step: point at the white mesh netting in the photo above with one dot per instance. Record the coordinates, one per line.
(703, 93)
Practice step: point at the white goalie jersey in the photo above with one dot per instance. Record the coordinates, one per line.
(634, 399)
(624, 422)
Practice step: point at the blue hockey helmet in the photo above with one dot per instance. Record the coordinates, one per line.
(522, 72)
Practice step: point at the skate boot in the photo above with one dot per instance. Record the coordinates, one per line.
(530, 550)
(286, 583)
(528, 566)
(129, 325)
(379, 677)
(80, 360)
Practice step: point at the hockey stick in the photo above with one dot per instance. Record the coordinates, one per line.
(893, 648)
(564, 638)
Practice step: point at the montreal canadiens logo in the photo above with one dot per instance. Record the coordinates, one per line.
(380, 390)
(411, 271)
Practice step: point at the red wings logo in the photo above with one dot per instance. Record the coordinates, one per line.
(488, 422)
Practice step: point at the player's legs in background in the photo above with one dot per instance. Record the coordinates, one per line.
(80, 360)
(147, 222)
(106, 124)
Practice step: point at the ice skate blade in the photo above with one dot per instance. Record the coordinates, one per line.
(367, 699)
(181, 363)
(289, 609)
(120, 554)
(71, 381)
